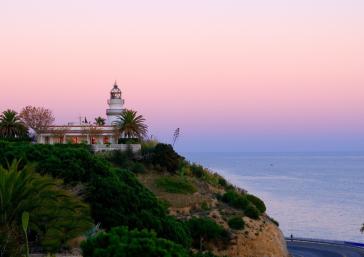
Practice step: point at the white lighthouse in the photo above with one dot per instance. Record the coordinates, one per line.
(115, 105)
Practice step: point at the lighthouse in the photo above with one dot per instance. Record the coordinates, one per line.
(115, 105)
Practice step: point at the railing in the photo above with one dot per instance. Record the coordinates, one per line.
(116, 147)
(325, 241)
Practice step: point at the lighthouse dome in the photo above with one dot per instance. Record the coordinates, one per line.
(115, 92)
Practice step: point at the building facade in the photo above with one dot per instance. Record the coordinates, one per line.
(101, 137)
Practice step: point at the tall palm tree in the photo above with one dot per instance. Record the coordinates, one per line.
(132, 125)
(100, 121)
(56, 215)
(11, 126)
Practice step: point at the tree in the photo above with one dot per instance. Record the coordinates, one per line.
(11, 127)
(205, 229)
(132, 125)
(166, 157)
(124, 243)
(56, 215)
(37, 118)
(100, 121)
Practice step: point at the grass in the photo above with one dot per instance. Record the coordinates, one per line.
(176, 185)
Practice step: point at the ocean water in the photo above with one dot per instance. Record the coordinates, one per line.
(316, 195)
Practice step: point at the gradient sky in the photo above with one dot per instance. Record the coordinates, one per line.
(234, 75)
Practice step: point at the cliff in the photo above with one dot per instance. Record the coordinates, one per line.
(259, 237)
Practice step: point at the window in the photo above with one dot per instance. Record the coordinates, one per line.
(46, 140)
(106, 140)
(74, 140)
(93, 140)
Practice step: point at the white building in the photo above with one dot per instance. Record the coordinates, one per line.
(101, 137)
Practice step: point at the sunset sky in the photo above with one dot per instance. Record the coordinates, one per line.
(233, 75)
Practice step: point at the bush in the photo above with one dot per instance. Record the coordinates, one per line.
(257, 202)
(252, 212)
(176, 231)
(202, 229)
(73, 163)
(124, 243)
(138, 168)
(119, 199)
(166, 157)
(175, 184)
(197, 170)
(128, 141)
(119, 158)
(115, 196)
(235, 199)
(56, 215)
(222, 182)
(236, 223)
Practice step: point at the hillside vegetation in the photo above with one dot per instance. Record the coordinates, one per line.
(180, 208)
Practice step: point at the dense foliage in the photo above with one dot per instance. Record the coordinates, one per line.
(122, 242)
(11, 127)
(164, 156)
(115, 195)
(205, 229)
(236, 223)
(56, 215)
(252, 206)
(116, 198)
(176, 184)
(257, 202)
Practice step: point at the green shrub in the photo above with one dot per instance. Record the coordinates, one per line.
(115, 196)
(124, 243)
(236, 223)
(222, 182)
(205, 206)
(235, 199)
(56, 215)
(257, 202)
(175, 184)
(166, 157)
(138, 167)
(128, 141)
(119, 199)
(73, 163)
(252, 212)
(206, 229)
(197, 170)
(176, 231)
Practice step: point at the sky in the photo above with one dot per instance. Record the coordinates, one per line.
(233, 75)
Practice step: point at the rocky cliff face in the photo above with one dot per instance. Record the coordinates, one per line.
(259, 238)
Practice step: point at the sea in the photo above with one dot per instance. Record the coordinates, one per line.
(311, 195)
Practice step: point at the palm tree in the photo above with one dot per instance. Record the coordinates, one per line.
(11, 126)
(56, 215)
(132, 125)
(100, 121)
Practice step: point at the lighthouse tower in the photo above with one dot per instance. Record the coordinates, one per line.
(115, 105)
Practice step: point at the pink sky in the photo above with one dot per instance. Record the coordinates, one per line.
(246, 75)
